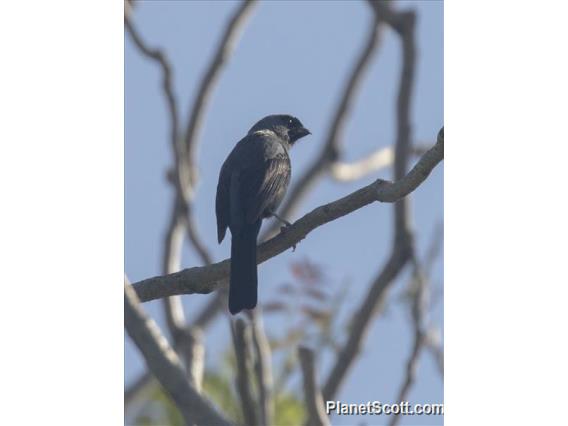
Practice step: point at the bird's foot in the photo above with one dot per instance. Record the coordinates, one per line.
(281, 220)
(284, 230)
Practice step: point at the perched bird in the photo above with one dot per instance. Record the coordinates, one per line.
(252, 183)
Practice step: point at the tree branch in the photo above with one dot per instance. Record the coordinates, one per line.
(263, 369)
(361, 320)
(418, 319)
(193, 350)
(347, 172)
(205, 279)
(434, 345)
(312, 394)
(224, 49)
(403, 245)
(343, 171)
(173, 240)
(165, 364)
(242, 343)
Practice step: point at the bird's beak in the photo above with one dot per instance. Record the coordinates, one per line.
(299, 133)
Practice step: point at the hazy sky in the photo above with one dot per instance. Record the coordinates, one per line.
(292, 58)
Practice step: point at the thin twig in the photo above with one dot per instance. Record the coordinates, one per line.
(223, 51)
(361, 320)
(347, 172)
(434, 346)
(243, 352)
(419, 340)
(343, 171)
(312, 393)
(193, 350)
(263, 369)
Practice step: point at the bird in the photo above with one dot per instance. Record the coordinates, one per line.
(252, 183)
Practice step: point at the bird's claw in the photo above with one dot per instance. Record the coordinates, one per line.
(284, 229)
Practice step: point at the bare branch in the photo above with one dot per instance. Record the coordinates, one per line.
(206, 279)
(361, 320)
(224, 49)
(197, 242)
(174, 236)
(165, 364)
(159, 57)
(418, 319)
(193, 350)
(403, 141)
(312, 394)
(242, 343)
(263, 369)
(346, 172)
(171, 262)
(403, 247)
(373, 162)
(434, 346)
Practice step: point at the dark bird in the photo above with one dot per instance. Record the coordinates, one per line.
(252, 183)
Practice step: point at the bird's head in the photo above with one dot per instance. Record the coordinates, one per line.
(285, 126)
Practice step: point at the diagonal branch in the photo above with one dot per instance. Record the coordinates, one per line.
(419, 341)
(165, 364)
(361, 320)
(205, 279)
(159, 57)
(422, 338)
(331, 149)
(347, 172)
(224, 50)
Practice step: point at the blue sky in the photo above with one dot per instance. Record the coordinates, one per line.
(293, 57)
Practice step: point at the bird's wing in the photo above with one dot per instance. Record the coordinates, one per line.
(222, 202)
(267, 184)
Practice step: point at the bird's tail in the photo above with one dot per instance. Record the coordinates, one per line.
(244, 279)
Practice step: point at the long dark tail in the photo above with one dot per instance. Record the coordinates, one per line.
(244, 279)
